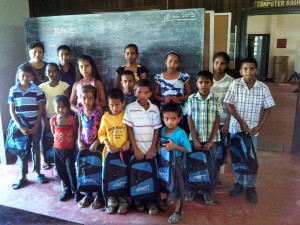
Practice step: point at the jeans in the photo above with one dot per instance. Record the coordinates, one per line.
(247, 181)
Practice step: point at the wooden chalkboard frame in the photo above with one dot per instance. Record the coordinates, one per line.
(104, 36)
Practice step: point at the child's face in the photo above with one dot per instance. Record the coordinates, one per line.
(127, 82)
(88, 100)
(220, 65)
(204, 85)
(61, 110)
(115, 106)
(172, 62)
(64, 56)
(171, 119)
(143, 94)
(85, 68)
(248, 71)
(36, 54)
(52, 73)
(130, 55)
(25, 78)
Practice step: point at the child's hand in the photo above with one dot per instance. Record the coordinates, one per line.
(244, 127)
(175, 99)
(138, 154)
(24, 130)
(168, 99)
(111, 148)
(170, 146)
(150, 153)
(207, 145)
(197, 144)
(126, 145)
(225, 128)
(81, 145)
(94, 146)
(254, 130)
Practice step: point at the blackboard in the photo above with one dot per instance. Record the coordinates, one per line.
(104, 36)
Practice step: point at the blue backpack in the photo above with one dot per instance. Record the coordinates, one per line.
(143, 179)
(48, 148)
(115, 174)
(221, 153)
(243, 155)
(200, 170)
(89, 171)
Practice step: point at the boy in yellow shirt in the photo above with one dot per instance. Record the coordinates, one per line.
(113, 133)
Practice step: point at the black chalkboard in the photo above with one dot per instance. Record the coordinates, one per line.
(104, 36)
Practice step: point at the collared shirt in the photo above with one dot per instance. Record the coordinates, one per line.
(26, 103)
(203, 113)
(143, 123)
(69, 76)
(220, 89)
(247, 103)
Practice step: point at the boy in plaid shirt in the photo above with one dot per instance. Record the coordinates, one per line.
(203, 110)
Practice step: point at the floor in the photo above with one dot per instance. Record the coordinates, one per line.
(278, 185)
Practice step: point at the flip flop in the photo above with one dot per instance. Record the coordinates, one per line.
(41, 179)
(19, 184)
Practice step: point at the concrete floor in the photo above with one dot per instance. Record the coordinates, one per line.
(278, 185)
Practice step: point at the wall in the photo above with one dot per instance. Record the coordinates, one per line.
(12, 51)
(278, 26)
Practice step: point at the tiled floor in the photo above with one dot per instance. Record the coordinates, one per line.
(278, 186)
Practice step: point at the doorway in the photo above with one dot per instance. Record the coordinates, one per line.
(258, 48)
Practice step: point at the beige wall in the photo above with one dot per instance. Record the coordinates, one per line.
(278, 26)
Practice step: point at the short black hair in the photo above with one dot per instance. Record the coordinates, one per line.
(174, 53)
(35, 44)
(115, 93)
(64, 99)
(248, 60)
(132, 46)
(25, 69)
(127, 72)
(206, 74)
(172, 107)
(222, 54)
(143, 83)
(53, 64)
(66, 47)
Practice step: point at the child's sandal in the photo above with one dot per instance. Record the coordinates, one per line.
(175, 217)
(85, 201)
(97, 203)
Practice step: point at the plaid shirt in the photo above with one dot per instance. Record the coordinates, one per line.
(203, 113)
(247, 103)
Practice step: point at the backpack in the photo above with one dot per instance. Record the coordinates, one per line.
(200, 170)
(243, 155)
(48, 141)
(221, 153)
(89, 171)
(143, 179)
(17, 143)
(115, 174)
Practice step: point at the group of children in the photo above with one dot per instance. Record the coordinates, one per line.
(193, 121)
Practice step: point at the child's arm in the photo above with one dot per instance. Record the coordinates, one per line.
(156, 94)
(126, 145)
(81, 145)
(151, 151)
(73, 98)
(188, 90)
(233, 112)
(137, 152)
(172, 146)
(101, 94)
(214, 132)
(225, 127)
(41, 106)
(67, 92)
(16, 119)
(94, 145)
(265, 114)
(117, 80)
(109, 146)
(196, 141)
(75, 127)
(52, 126)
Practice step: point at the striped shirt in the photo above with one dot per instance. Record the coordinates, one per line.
(247, 103)
(26, 104)
(143, 123)
(203, 113)
(220, 89)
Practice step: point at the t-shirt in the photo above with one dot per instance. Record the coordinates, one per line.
(113, 129)
(69, 76)
(64, 136)
(179, 138)
(26, 103)
(50, 93)
(220, 89)
(143, 123)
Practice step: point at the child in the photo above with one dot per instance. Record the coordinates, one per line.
(113, 133)
(172, 85)
(66, 69)
(52, 88)
(64, 129)
(89, 121)
(203, 110)
(128, 82)
(179, 143)
(89, 75)
(36, 52)
(27, 93)
(143, 123)
(221, 84)
(131, 54)
(249, 101)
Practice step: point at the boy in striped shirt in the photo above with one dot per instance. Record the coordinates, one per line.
(26, 101)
